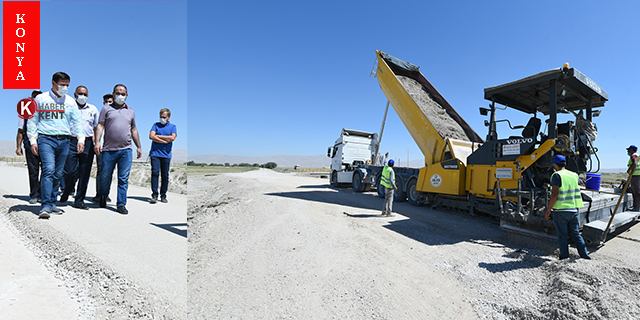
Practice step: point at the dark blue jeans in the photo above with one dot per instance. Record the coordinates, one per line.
(78, 168)
(123, 159)
(159, 167)
(53, 154)
(566, 222)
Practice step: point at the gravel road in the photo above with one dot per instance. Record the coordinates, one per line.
(266, 245)
(114, 266)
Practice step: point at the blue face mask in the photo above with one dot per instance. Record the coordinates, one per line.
(629, 153)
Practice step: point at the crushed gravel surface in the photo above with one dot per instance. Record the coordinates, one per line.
(265, 245)
(141, 176)
(101, 292)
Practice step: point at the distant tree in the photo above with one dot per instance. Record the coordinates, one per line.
(256, 165)
(226, 164)
(270, 165)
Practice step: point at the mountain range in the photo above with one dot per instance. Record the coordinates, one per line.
(320, 161)
(8, 149)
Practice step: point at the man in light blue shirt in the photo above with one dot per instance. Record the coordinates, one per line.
(78, 166)
(49, 131)
(162, 134)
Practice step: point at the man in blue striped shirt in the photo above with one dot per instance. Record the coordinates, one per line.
(49, 132)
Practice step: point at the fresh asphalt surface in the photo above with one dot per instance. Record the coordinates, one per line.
(147, 246)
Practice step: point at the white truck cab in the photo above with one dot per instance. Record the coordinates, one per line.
(351, 150)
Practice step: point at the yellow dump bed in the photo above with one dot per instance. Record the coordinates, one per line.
(429, 118)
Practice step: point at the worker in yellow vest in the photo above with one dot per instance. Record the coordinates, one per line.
(388, 181)
(632, 151)
(565, 201)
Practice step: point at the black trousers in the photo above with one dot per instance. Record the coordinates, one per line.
(78, 168)
(34, 166)
(635, 190)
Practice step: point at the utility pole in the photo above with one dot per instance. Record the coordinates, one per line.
(408, 157)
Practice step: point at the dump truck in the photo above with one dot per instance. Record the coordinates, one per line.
(506, 177)
(351, 151)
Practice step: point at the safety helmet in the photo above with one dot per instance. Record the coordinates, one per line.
(560, 159)
(391, 162)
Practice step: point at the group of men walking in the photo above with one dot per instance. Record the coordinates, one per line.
(65, 133)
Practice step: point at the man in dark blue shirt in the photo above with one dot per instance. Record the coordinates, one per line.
(162, 136)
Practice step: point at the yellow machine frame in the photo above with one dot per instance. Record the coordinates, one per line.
(482, 179)
(423, 132)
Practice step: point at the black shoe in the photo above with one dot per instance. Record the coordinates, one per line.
(122, 210)
(108, 199)
(103, 201)
(153, 199)
(81, 206)
(164, 200)
(96, 198)
(64, 198)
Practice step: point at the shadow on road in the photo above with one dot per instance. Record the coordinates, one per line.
(34, 209)
(319, 186)
(429, 226)
(25, 198)
(171, 227)
(143, 199)
(363, 215)
(344, 197)
(522, 260)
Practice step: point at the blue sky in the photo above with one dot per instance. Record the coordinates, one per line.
(283, 77)
(141, 44)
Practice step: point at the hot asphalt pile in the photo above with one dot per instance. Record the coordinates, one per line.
(437, 115)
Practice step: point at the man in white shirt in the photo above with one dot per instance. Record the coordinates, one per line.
(78, 165)
(49, 132)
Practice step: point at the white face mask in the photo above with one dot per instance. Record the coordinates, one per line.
(62, 90)
(120, 99)
(82, 100)
(164, 121)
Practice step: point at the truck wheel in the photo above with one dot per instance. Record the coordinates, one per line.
(413, 195)
(357, 184)
(400, 195)
(334, 179)
(380, 188)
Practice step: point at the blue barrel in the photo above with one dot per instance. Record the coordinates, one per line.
(593, 181)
